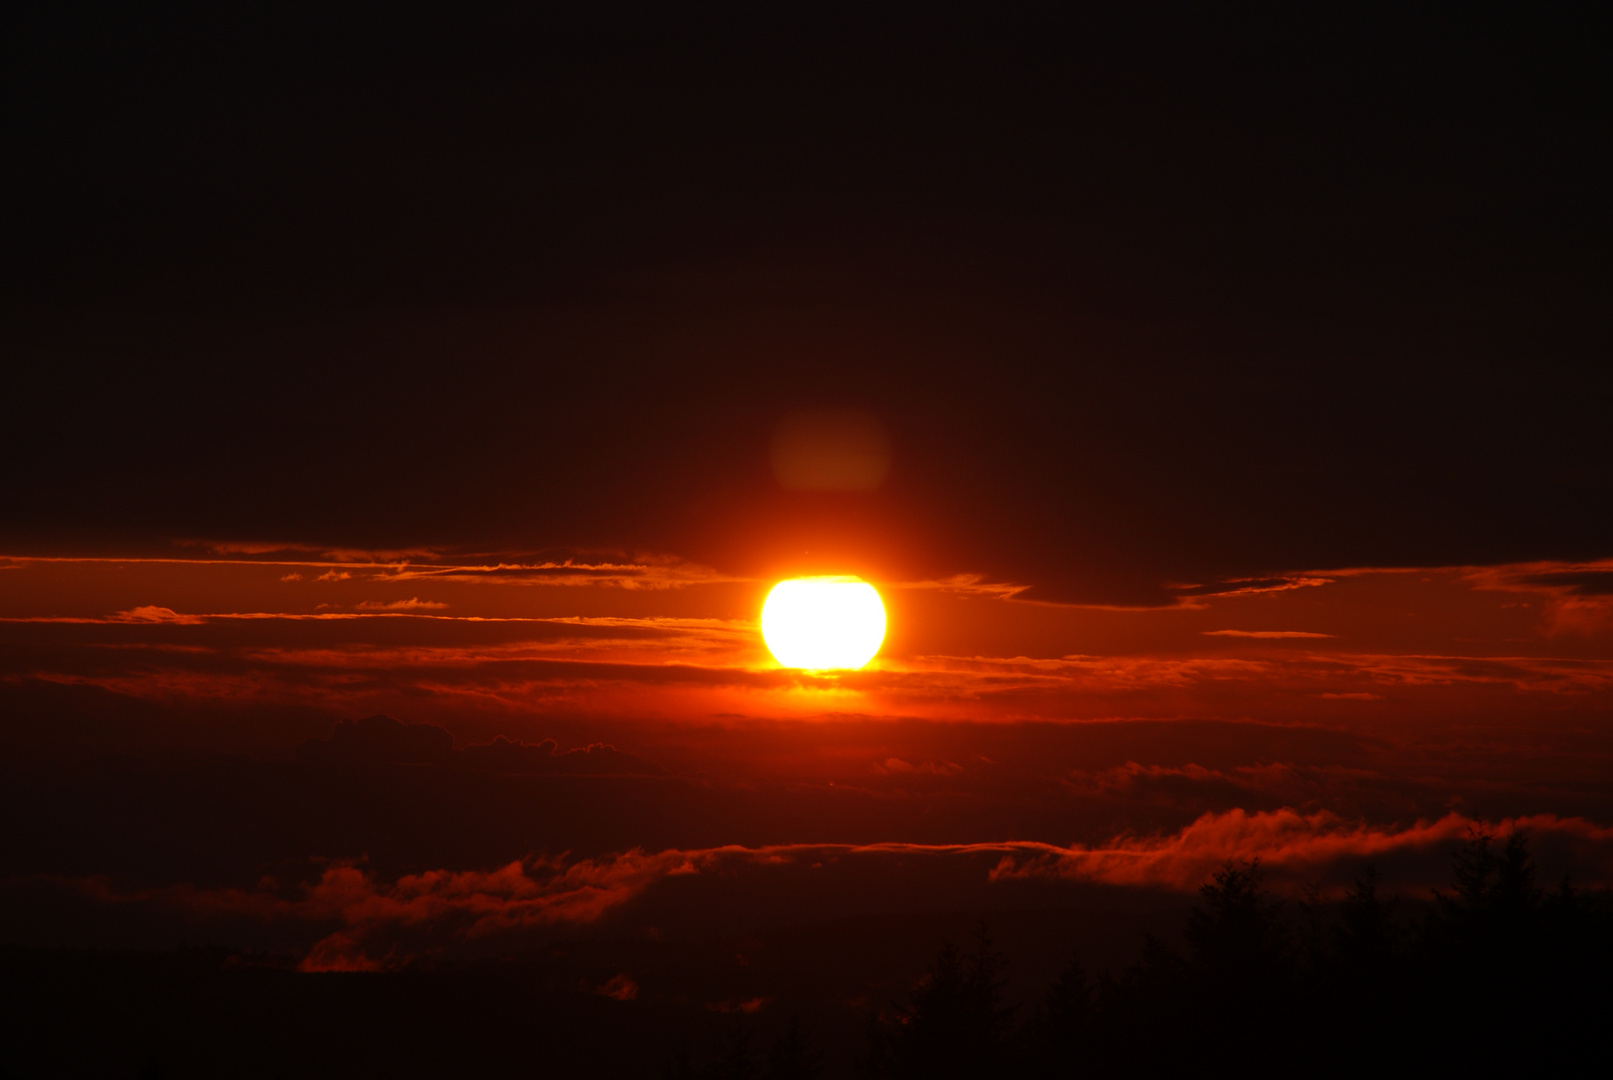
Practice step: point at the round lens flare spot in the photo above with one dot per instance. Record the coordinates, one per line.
(823, 623)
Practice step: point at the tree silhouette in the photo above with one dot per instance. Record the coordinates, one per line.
(1577, 943)
(1486, 930)
(1059, 1030)
(1481, 963)
(957, 1024)
(875, 1062)
(735, 1057)
(1367, 935)
(1235, 939)
(681, 1066)
(794, 1055)
(1495, 891)
(1497, 975)
(1238, 997)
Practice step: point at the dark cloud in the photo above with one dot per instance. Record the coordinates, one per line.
(1588, 582)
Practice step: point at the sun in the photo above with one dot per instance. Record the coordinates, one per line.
(823, 623)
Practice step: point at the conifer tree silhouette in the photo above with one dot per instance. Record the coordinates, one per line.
(1235, 940)
(958, 1024)
(794, 1055)
(1481, 961)
(731, 1056)
(1059, 1031)
(1498, 973)
(1366, 936)
(681, 1065)
(1485, 931)
(736, 1054)
(875, 1063)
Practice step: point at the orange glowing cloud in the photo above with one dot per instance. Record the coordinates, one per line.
(437, 638)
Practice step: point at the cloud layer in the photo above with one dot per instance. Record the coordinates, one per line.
(349, 918)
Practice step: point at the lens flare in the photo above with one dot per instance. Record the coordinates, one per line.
(823, 623)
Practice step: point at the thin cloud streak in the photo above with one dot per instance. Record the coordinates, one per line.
(651, 573)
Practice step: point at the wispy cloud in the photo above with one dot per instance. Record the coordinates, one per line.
(650, 572)
(645, 573)
(414, 603)
(1251, 586)
(289, 548)
(1168, 596)
(150, 613)
(966, 585)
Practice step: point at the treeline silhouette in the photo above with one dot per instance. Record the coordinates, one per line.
(1497, 974)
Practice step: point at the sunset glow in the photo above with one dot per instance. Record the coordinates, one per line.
(823, 623)
(806, 543)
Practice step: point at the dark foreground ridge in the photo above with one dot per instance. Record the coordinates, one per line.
(1495, 971)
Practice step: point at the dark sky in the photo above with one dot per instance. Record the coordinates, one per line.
(1140, 301)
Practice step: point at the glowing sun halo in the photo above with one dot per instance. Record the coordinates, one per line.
(823, 623)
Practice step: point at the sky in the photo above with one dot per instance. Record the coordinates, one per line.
(406, 417)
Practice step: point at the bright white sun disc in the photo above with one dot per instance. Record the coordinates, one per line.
(823, 623)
